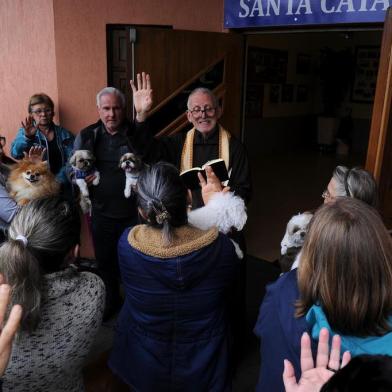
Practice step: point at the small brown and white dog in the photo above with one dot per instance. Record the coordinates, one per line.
(82, 162)
(30, 180)
(132, 166)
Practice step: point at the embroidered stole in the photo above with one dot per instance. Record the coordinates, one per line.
(187, 149)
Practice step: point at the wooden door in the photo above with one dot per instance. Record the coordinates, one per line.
(379, 156)
(179, 61)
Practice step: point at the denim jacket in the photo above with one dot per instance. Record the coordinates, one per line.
(64, 140)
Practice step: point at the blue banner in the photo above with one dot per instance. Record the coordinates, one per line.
(259, 13)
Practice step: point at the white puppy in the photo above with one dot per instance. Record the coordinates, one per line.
(295, 231)
(82, 162)
(224, 211)
(132, 165)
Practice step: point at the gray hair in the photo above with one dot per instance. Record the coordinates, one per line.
(111, 91)
(203, 90)
(162, 197)
(39, 238)
(357, 183)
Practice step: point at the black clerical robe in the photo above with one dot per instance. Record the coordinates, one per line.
(205, 148)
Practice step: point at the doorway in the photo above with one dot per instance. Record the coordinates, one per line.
(293, 81)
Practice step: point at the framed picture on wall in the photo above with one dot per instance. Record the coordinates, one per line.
(366, 70)
(302, 93)
(304, 64)
(287, 93)
(254, 100)
(267, 65)
(274, 93)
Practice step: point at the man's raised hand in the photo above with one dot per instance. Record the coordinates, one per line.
(142, 95)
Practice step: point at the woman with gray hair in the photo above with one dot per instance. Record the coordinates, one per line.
(62, 309)
(173, 330)
(356, 182)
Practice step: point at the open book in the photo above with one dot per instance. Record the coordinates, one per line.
(191, 179)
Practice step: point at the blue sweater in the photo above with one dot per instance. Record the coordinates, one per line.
(64, 141)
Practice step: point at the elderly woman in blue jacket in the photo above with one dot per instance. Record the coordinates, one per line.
(173, 331)
(40, 130)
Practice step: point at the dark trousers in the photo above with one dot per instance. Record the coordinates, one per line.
(106, 233)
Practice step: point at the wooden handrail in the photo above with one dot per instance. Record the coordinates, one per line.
(189, 81)
(178, 122)
(181, 121)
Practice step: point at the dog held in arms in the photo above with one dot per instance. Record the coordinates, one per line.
(293, 240)
(132, 166)
(82, 162)
(29, 180)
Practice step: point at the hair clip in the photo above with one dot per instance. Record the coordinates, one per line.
(22, 239)
(162, 216)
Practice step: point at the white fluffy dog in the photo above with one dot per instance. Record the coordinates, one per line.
(225, 211)
(295, 231)
(132, 165)
(82, 162)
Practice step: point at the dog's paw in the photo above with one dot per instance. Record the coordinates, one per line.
(127, 192)
(85, 205)
(97, 178)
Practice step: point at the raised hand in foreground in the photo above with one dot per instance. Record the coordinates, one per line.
(8, 330)
(327, 363)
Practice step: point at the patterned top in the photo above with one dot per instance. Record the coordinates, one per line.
(52, 357)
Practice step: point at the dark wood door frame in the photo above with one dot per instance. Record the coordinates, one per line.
(379, 156)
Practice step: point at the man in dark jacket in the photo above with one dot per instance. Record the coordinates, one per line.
(111, 211)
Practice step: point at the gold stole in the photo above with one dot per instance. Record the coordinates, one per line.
(187, 149)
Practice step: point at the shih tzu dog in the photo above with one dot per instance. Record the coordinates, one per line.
(293, 239)
(82, 162)
(132, 166)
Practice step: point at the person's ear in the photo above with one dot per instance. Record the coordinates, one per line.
(189, 116)
(219, 112)
(142, 214)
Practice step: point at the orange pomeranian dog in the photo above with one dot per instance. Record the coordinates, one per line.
(31, 180)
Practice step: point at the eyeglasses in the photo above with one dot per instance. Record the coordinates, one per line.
(197, 111)
(42, 111)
